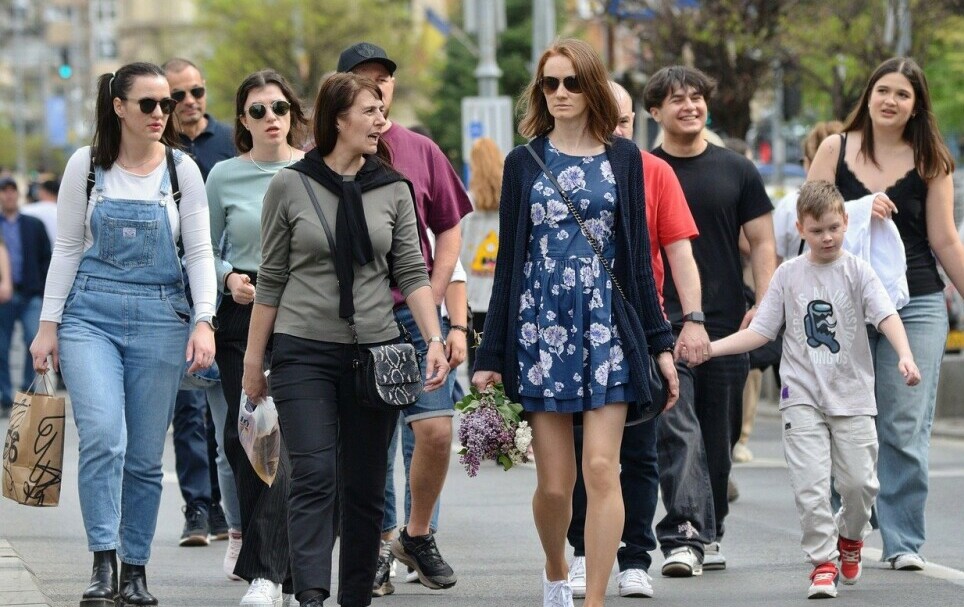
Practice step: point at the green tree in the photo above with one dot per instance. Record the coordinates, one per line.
(457, 75)
(734, 41)
(301, 39)
(945, 75)
(838, 45)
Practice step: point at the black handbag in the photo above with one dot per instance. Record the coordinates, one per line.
(386, 376)
(657, 386)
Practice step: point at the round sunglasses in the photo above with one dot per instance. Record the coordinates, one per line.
(148, 104)
(550, 84)
(196, 92)
(280, 107)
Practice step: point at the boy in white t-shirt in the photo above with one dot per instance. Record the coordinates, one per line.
(826, 298)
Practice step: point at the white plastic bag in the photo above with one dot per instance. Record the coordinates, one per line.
(260, 436)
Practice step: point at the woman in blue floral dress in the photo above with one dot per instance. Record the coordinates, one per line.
(558, 335)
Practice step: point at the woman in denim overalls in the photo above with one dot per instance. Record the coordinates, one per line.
(116, 289)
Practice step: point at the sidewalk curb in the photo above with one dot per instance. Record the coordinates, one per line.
(18, 584)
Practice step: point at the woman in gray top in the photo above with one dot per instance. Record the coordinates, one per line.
(332, 441)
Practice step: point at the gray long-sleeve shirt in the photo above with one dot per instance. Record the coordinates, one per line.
(297, 273)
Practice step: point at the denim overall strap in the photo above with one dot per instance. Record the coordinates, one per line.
(133, 241)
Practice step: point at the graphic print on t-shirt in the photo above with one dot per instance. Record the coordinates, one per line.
(820, 325)
(827, 323)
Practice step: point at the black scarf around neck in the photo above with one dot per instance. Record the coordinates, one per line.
(352, 241)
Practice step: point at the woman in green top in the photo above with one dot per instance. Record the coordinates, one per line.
(269, 124)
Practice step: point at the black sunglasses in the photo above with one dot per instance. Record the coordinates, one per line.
(550, 84)
(196, 92)
(280, 107)
(147, 104)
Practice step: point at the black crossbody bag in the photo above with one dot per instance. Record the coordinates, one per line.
(657, 387)
(388, 376)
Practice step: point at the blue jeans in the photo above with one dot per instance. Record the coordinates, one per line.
(229, 490)
(191, 448)
(27, 311)
(122, 356)
(904, 419)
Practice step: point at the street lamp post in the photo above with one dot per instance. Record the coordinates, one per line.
(19, 101)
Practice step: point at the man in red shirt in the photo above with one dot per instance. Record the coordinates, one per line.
(671, 227)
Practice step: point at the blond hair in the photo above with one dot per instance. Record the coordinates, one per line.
(485, 174)
(818, 198)
(817, 134)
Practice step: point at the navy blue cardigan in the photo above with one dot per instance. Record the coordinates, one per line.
(642, 327)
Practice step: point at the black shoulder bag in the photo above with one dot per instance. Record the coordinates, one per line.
(657, 387)
(386, 377)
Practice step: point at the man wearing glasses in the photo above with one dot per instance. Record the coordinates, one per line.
(195, 449)
(204, 138)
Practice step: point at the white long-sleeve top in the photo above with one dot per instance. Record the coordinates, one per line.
(74, 236)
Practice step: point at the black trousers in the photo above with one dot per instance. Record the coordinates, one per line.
(264, 510)
(335, 446)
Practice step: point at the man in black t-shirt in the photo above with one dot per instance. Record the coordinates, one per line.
(725, 194)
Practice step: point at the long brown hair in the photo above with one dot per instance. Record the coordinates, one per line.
(259, 80)
(335, 98)
(815, 137)
(105, 146)
(485, 174)
(931, 156)
(601, 108)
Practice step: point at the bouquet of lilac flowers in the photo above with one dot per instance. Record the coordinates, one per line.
(492, 428)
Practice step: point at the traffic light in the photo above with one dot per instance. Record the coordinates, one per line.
(64, 69)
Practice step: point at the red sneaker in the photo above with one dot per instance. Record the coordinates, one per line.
(823, 582)
(849, 559)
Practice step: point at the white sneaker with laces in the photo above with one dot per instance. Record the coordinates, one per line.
(908, 562)
(231, 554)
(682, 562)
(713, 559)
(556, 594)
(262, 593)
(635, 583)
(577, 577)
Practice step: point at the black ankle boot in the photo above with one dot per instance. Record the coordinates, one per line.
(133, 587)
(103, 581)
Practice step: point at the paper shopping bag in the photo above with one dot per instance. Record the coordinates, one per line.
(33, 452)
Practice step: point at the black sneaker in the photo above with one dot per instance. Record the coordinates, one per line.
(383, 573)
(421, 554)
(195, 526)
(217, 523)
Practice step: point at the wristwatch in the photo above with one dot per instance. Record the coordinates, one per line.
(697, 317)
(437, 338)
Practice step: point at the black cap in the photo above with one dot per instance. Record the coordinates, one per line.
(6, 181)
(364, 52)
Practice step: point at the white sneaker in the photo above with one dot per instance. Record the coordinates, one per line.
(713, 559)
(394, 570)
(907, 562)
(742, 454)
(411, 576)
(682, 562)
(577, 577)
(262, 593)
(556, 594)
(231, 554)
(635, 583)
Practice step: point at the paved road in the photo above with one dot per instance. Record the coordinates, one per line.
(488, 537)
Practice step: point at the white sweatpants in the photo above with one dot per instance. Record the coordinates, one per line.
(818, 446)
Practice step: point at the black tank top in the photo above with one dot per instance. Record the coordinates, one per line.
(909, 193)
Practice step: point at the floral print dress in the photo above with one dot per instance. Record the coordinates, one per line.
(570, 356)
